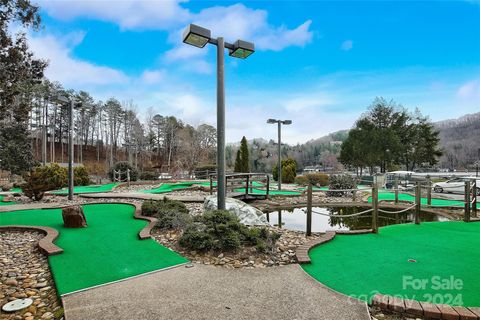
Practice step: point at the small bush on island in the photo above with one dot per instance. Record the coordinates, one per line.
(289, 171)
(170, 214)
(316, 179)
(221, 230)
(340, 182)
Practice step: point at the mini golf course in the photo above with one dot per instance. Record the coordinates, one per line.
(362, 265)
(105, 251)
(87, 189)
(390, 196)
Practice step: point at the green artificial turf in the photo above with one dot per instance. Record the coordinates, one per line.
(16, 190)
(272, 192)
(390, 196)
(107, 250)
(362, 265)
(169, 187)
(5, 203)
(87, 189)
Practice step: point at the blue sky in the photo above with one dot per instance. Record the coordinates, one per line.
(319, 63)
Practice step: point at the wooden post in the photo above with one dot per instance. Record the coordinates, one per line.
(128, 177)
(429, 191)
(466, 217)
(268, 216)
(246, 187)
(354, 195)
(279, 218)
(474, 195)
(396, 190)
(268, 186)
(375, 208)
(418, 199)
(309, 209)
(211, 185)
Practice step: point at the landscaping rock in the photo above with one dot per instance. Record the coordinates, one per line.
(23, 269)
(73, 217)
(247, 214)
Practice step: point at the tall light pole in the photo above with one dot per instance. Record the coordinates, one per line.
(71, 103)
(279, 165)
(199, 37)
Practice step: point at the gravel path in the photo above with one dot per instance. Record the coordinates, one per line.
(207, 292)
(24, 272)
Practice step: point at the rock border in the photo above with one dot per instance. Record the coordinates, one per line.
(302, 251)
(425, 309)
(45, 244)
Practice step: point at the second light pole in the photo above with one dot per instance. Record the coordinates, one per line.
(279, 166)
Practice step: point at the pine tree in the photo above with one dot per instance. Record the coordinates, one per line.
(244, 155)
(238, 164)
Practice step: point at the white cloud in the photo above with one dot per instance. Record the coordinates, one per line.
(239, 22)
(68, 70)
(299, 104)
(347, 45)
(153, 76)
(128, 14)
(470, 90)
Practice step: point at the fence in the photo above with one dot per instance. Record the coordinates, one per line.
(469, 204)
(243, 183)
(117, 176)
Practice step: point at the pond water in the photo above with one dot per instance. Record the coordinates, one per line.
(295, 219)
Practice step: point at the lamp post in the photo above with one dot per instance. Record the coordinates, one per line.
(71, 103)
(199, 37)
(279, 166)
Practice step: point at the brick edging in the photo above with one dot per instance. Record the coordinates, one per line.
(424, 309)
(302, 251)
(145, 232)
(45, 244)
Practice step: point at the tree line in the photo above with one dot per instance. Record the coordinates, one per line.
(104, 131)
(391, 138)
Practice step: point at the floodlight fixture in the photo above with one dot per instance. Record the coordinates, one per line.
(196, 36)
(279, 165)
(242, 49)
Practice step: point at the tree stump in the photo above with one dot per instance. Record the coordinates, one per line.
(73, 217)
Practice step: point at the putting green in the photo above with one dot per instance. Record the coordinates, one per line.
(362, 265)
(105, 251)
(272, 192)
(87, 189)
(390, 196)
(170, 187)
(2, 203)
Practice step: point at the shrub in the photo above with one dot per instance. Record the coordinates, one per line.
(42, 179)
(148, 175)
(170, 213)
(80, 176)
(222, 231)
(122, 166)
(316, 179)
(289, 171)
(340, 181)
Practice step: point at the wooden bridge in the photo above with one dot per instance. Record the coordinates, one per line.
(244, 186)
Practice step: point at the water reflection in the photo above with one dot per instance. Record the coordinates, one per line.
(295, 219)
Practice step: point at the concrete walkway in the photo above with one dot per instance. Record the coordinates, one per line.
(208, 292)
(142, 196)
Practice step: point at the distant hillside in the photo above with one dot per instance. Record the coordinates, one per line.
(460, 139)
(263, 154)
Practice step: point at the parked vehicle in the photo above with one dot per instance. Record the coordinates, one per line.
(456, 185)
